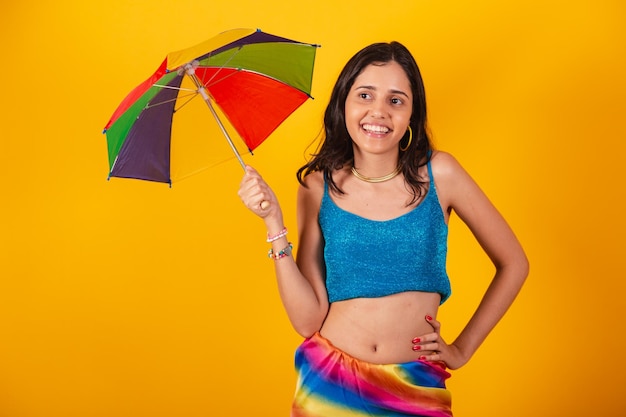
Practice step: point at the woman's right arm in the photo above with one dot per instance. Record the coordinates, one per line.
(300, 284)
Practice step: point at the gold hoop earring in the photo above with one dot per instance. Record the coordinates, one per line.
(403, 149)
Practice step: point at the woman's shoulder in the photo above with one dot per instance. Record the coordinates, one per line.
(444, 165)
(313, 181)
(312, 187)
(442, 158)
(454, 183)
(449, 175)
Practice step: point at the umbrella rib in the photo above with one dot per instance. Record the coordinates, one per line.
(189, 96)
(253, 72)
(211, 82)
(174, 88)
(224, 65)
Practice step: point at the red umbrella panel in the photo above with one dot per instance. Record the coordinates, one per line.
(255, 79)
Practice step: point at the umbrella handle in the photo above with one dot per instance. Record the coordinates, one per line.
(190, 71)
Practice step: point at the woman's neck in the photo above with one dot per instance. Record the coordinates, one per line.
(375, 166)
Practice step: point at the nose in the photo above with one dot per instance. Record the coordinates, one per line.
(378, 110)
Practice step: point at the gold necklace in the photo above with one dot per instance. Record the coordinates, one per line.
(376, 179)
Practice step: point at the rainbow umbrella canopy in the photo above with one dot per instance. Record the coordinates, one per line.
(164, 130)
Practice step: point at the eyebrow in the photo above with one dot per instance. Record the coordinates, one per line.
(371, 87)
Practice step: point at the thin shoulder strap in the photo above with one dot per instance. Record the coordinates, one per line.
(430, 170)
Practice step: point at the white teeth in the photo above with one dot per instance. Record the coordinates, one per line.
(376, 128)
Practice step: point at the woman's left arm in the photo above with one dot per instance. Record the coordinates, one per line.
(458, 192)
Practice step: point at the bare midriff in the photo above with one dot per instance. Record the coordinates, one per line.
(381, 330)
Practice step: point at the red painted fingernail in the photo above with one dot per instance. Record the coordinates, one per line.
(417, 347)
(429, 318)
(422, 358)
(416, 340)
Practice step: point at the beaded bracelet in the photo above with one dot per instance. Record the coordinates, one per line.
(277, 236)
(281, 254)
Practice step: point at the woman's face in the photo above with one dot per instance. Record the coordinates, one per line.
(379, 107)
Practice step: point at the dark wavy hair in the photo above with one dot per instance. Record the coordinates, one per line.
(335, 149)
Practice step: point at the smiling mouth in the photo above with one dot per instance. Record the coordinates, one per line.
(378, 129)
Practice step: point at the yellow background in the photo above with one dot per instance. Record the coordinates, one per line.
(128, 299)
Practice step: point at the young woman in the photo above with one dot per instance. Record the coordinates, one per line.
(370, 273)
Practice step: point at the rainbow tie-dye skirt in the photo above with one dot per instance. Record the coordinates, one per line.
(332, 383)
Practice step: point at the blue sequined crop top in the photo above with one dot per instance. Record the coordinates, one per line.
(371, 258)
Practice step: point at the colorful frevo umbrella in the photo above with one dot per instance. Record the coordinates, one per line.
(249, 80)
